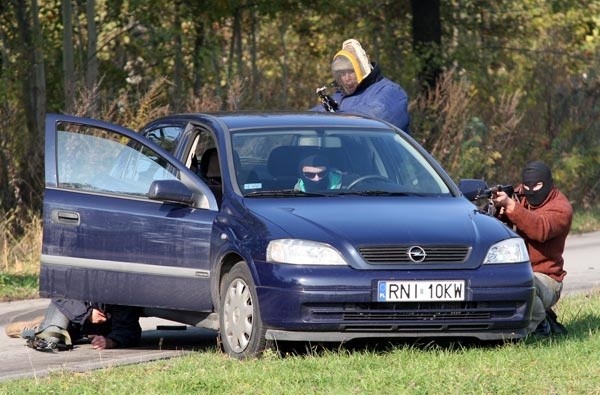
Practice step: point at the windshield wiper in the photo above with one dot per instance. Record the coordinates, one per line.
(284, 193)
(379, 193)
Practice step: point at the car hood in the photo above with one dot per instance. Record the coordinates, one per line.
(370, 221)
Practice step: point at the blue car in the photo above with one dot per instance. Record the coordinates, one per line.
(276, 227)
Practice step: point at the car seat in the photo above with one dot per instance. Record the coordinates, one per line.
(210, 172)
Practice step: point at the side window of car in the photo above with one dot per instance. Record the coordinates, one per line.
(98, 160)
(166, 136)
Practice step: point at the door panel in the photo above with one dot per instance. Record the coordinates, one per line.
(104, 240)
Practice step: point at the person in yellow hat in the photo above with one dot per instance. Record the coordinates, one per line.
(363, 89)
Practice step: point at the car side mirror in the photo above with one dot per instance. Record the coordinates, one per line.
(170, 191)
(471, 188)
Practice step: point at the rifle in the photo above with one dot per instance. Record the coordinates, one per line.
(327, 101)
(491, 193)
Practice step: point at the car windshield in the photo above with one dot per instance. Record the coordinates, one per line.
(332, 161)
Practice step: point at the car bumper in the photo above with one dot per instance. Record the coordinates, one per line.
(310, 304)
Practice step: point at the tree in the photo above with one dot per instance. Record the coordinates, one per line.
(21, 138)
(68, 56)
(91, 75)
(524, 69)
(427, 40)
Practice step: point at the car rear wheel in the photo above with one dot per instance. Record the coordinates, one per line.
(242, 330)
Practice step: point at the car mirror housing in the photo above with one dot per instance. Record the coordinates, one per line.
(170, 191)
(470, 188)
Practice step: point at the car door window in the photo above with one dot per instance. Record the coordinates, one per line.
(98, 160)
(166, 136)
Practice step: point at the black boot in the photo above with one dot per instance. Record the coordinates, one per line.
(556, 327)
(543, 329)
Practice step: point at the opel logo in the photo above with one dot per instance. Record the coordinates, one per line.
(417, 254)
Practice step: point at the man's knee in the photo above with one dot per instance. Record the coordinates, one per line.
(547, 289)
(54, 317)
(52, 332)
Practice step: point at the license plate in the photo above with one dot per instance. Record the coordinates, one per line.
(420, 291)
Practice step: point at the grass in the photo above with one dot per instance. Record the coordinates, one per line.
(560, 365)
(20, 249)
(18, 286)
(19, 256)
(586, 220)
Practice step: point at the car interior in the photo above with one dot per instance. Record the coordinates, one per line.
(210, 172)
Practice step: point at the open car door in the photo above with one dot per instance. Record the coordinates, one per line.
(124, 221)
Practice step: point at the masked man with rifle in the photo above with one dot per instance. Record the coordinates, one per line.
(362, 89)
(542, 216)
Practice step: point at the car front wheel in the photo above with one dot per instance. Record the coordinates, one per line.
(242, 330)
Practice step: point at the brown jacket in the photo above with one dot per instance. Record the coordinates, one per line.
(544, 229)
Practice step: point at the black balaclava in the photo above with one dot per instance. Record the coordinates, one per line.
(315, 161)
(533, 173)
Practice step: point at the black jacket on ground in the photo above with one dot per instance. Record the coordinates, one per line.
(122, 326)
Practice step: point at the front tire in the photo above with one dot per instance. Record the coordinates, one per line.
(242, 331)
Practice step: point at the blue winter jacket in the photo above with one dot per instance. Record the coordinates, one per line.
(377, 97)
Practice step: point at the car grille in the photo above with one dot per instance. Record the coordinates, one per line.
(400, 254)
(434, 316)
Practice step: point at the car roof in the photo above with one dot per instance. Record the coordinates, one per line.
(244, 120)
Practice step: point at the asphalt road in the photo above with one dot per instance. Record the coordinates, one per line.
(582, 263)
(19, 361)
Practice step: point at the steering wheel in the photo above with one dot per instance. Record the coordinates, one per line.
(367, 177)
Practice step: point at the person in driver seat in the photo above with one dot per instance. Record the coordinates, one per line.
(316, 175)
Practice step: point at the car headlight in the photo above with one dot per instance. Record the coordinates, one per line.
(303, 252)
(507, 251)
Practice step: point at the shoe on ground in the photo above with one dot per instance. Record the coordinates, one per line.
(543, 329)
(14, 329)
(47, 345)
(41, 344)
(52, 338)
(556, 327)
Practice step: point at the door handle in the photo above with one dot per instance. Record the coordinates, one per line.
(66, 217)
